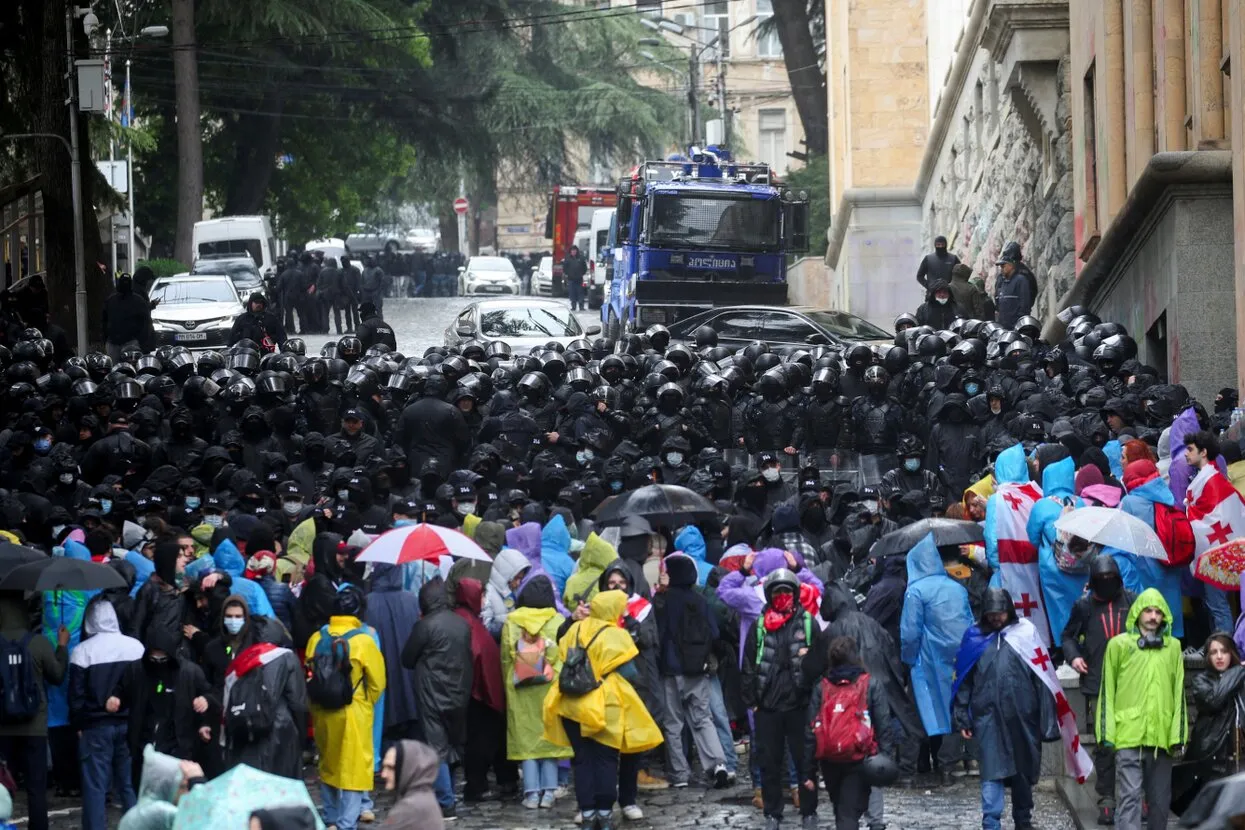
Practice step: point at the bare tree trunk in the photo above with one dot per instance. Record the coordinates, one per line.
(254, 153)
(189, 132)
(804, 72)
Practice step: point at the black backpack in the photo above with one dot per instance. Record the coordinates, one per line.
(20, 699)
(577, 678)
(328, 681)
(250, 713)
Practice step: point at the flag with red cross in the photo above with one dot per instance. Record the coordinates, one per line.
(1008, 513)
(1215, 509)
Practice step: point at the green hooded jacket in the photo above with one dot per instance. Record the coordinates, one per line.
(596, 556)
(1141, 702)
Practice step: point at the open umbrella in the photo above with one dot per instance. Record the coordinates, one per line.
(1221, 565)
(661, 504)
(421, 542)
(1113, 528)
(11, 556)
(228, 800)
(946, 532)
(61, 573)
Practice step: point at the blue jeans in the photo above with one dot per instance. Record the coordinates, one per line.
(444, 787)
(105, 757)
(540, 775)
(1220, 611)
(722, 722)
(992, 802)
(341, 807)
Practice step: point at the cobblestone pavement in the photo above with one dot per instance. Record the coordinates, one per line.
(420, 323)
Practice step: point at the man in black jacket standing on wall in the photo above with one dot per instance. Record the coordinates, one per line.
(936, 266)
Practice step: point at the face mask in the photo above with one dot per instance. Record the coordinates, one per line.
(912, 464)
(43, 446)
(66, 478)
(58, 550)
(234, 624)
(193, 502)
(941, 300)
(105, 506)
(292, 508)
(466, 508)
(215, 520)
(771, 473)
(584, 456)
(870, 506)
(343, 495)
(782, 603)
(404, 522)
(971, 389)
(616, 486)
(674, 459)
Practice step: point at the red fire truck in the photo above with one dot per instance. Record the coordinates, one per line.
(570, 210)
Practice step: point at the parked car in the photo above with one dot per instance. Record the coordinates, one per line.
(426, 240)
(194, 310)
(488, 275)
(369, 239)
(542, 278)
(782, 326)
(521, 323)
(242, 270)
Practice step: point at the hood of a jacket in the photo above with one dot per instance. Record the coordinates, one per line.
(1011, 467)
(767, 561)
(469, 594)
(506, 566)
(578, 404)
(432, 598)
(324, 554)
(692, 542)
(836, 600)
(420, 764)
(101, 618)
(228, 558)
(597, 553)
(786, 518)
(526, 539)
(491, 536)
(924, 561)
(503, 402)
(386, 578)
(1059, 478)
(609, 605)
(1148, 598)
(1150, 486)
(13, 614)
(617, 566)
(162, 776)
(555, 538)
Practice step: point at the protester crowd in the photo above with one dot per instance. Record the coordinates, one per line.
(235, 491)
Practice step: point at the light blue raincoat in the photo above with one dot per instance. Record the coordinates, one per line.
(935, 617)
(1010, 467)
(1060, 590)
(692, 542)
(555, 553)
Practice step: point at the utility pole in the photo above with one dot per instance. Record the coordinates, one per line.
(130, 257)
(112, 148)
(75, 177)
(723, 113)
(693, 71)
(189, 130)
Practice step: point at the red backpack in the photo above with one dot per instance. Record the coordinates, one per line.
(843, 729)
(1176, 533)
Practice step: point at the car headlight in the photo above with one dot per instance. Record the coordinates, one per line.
(218, 323)
(160, 325)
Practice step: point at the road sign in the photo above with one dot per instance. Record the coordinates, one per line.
(460, 206)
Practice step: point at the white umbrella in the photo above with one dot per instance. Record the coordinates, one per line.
(418, 542)
(1111, 527)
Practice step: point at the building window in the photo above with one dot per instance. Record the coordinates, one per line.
(772, 126)
(718, 17)
(1091, 167)
(768, 45)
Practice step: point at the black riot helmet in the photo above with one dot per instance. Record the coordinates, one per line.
(1029, 327)
(877, 379)
(771, 385)
(896, 360)
(350, 348)
(859, 357)
(295, 345)
(968, 353)
(706, 337)
(658, 337)
(210, 362)
(825, 382)
(904, 321)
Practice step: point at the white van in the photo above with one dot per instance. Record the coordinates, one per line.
(598, 247)
(236, 235)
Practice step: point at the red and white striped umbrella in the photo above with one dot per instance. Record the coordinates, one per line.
(421, 542)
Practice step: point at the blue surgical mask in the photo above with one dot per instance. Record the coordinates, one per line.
(58, 550)
(404, 522)
(971, 389)
(674, 459)
(234, 624)
(912, 464)
(292, 508)
(43, 446)
(193, 502)
(616, 486)
(66, 478)
(214, 520)
(105, 506)
(584, 456)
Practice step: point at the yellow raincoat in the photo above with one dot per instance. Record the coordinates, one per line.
(611, 714)
(982, 487)
(525, 705)
(344, 736)
(596, 556)
(297, 553)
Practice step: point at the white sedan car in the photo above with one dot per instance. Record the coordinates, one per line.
(488, 275)
(542, 278)
(520, 323)
(196, 311)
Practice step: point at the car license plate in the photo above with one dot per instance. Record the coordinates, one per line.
(191, 336)
(490, 288)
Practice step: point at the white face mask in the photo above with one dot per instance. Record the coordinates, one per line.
(466, 508)
(292, 508)
(941, 300)
(870, 505)
(674, 459)
(584, 456)
(771, 473)
(234, 624)
(215, 520)
(343, 495)
(66, 478)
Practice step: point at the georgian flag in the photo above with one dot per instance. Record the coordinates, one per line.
(638, 608)
(1025, 641)
(1018, 558)
(250, 658)
(1215, 509)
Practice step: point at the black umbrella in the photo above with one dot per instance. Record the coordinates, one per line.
(60, 573)
(946, 532)
(661, 504)
(11, 556)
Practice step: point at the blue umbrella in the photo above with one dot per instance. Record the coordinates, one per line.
(226, 802)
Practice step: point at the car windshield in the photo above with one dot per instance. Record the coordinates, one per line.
(193, 291)
(728, 222)
(847, 326)
(534, 321)
(490, 264)
(239, 269)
